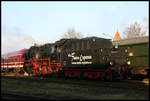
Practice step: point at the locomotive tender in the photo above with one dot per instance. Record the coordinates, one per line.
(90, 57)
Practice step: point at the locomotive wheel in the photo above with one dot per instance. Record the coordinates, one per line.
(28, 68)
(108, 76)
(16, 70)
(120, 77)
(21, 71)
(126, 75)
(116, 76)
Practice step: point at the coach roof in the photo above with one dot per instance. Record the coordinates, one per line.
(131, 41)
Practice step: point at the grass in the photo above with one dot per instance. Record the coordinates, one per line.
(70, 91)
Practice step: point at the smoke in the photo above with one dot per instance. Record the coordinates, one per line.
(14, 39)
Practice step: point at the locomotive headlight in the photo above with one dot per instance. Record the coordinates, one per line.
(116, 46)
(111, 63)
(128, 62)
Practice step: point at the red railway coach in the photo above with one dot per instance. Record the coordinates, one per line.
(12, 61)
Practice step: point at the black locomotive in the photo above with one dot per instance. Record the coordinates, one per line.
(90, 57)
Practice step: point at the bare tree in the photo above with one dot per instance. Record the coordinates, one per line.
(72, 34)
(134, 30)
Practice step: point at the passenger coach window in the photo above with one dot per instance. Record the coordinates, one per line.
(11, 59)
(15, 59)
(7, 60)
(2, 60)
(18, 58)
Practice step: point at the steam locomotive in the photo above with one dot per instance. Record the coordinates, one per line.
(91, 57)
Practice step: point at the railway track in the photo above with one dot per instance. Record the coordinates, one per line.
(9, 95)
(126, 84)
(62, 89)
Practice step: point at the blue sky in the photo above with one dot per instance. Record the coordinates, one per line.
(47, 21)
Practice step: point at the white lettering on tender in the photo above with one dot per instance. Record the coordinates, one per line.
(81, 59)
(82, 62)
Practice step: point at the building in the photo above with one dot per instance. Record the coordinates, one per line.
(117, 36)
